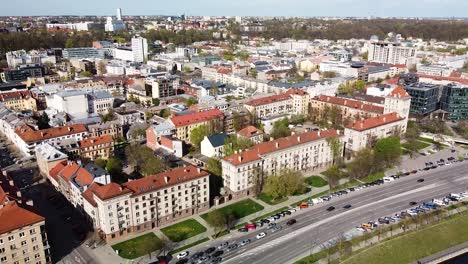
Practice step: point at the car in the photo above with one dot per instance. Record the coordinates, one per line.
(291, 222)
(413, 203)
(244, 242)
(276, 216)
(197, 255)
(216, 260)
(276, 228)
(265, 221)
(210, 250)
(347, 206)
(231, 247)
(182, 261)
(331, 208)
(420, 180)
(414, 171)
(250, 226)
(223, 245)
(204, 259)
(217, 253)
(261, 235)
(182, 255)
(286, 212)
(383, 221)
(243, 230)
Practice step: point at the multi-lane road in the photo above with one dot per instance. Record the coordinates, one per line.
(316, 225)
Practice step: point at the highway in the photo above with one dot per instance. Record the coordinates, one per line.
(316, 225)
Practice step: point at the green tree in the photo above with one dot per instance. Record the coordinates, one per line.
(237, 121)
(336, 148)
(253, 73)
(155, 101)
(191, 101)
(287, 182)
(198, 134)
(388, 151)
(362, 165)
(165, 113)
(235, 143)
(333, 175)
(143, 160)
(329, 74)
(214, 166)
(217, 220)
(114, 166)
(101, 163)
(281, 129)
(86, 74)
(69, 43)
(365, 55)
(43, 121)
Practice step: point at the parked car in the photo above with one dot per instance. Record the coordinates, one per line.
(210, 250)
(223, 245)
(243, 230)
(244, 242)
(182, 255)
(217, 253)
(413, 203)
(261, 235)
(291, 222)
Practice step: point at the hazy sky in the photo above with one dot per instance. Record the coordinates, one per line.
(400, 8)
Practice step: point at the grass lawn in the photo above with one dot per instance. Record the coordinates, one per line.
(239, 209)
(374, 177)
(138, 246)
(183, 230)
(267, 199)
(316, 181)
(417, 244)
(203, 240)
(428, 140)
(419, 145)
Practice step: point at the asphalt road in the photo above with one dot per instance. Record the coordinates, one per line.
(316, 225)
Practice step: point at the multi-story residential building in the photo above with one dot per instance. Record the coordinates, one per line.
(22, 73)
(163, 86)
(424, 97)
(100, 102)
(344, 69)
(26, 139)
(398, 101)
(129, 117)
(20, 57)
(23, 237)
(116, 210)
(97, 147)
(434, 69)
(47, 157)
(184, 124)
(252, 133)
(83, 53)
(18, 100)
(72, 102)
(140, 49)
(307, 151)
(350, 109)
(365, 132)
(454, 100)
(111, 128)
(390, 52)
(293, 102)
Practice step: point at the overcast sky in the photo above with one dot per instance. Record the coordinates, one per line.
(397, 8)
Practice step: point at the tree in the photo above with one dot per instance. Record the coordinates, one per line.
(329, 74)
(287, 182)
(107, 117)
(281, 129)
(69, 43)
(235, 143)
(114, 166)
(101, 163)
(253, 73)
(336, 148)
(43, 121)
(388, 151)
(86, 74)
(143, 160)
(191, 101)
(217, 220)
(333, 175)
(365, 55)
(214, 166)
(362, 165)
(198, 134)
(155, 101)
(237, 121)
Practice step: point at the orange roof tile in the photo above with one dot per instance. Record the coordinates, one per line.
(83, 177)
(95, 141)
(89, 193)
(17, 95)
(254, 153)
(110, 190)
(57, 169)
(164, 179)
(373, 122)
(249, 131)
(440, 78)
(69, 170)
(29, 135)
(198, 117)
(399, 92)
(13, 217)
(274, 98)
(350, 103)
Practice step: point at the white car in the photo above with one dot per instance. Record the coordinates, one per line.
(182, 255)
(261, 235)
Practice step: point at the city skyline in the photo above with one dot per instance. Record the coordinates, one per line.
(364, 8)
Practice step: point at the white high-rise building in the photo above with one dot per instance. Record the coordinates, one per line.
(114, 25)
(140, 49)
(119, 13)
(391, 53)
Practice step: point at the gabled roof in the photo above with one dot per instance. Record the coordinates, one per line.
(217, 140)
(249, 132)
(16, 95)
(95, 141)
(399, 92)
(12, 217)
(275, 98)
(197, 117)
(30, 135)
(373, 122)
(69, 170)
(83, 177)
(111, 190)
(254, 153)
(350, 103)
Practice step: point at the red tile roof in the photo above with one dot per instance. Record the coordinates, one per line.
(95, 141)
(17, 95)
(165, 179)
(440, 78)
(223, 70)
(249, 131)
(256, 151)
(373, 122)
(13, 217)
(274, 98)
(30, 135)
(89, 193)
(399, 92)
(57, 169)
(83, 177)
(110, 191)
(350, 103)
(194, 118)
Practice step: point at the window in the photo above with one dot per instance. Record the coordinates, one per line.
(21, 234)
(34, 239)
(1, 241)
(11, 238)
(25, 251)
(26, 259)
(23, 243)
(32, 231)
(36, 247)
(3, 259)
(2, 250)
(14, 255)
(37, 255)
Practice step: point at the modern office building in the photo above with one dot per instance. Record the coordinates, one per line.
(22, 73)
(83, 53)
(424, 98)
(454, 100)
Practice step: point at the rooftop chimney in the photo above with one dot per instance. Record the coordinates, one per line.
(198, 170)
(318, 133)
(277, 144)
(239, 158)
(11, 182)
(299, 139)
(385, 119)
(69, 129)
(166, 179)
(271, 139)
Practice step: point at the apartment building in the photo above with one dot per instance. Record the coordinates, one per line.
(363, 133)
(306, 151)
(111, 128)
(26, 139)
(390, 52)
(96, 147)
(162, 87)
(47, 157)
(184, 124)
(139, 205)
(293, 102)
(23, 237)
(100, 102)
(18, 100)
(251, 133)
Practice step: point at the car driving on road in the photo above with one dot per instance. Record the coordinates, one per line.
(261, 235)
